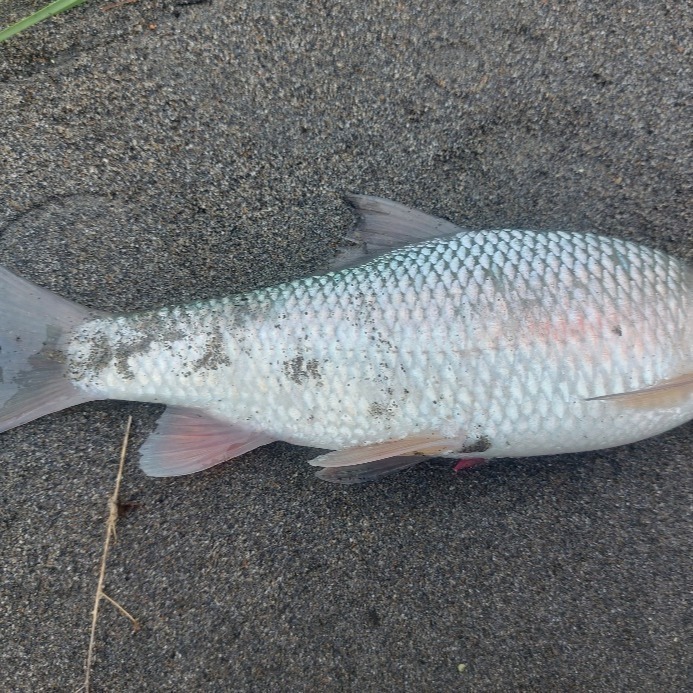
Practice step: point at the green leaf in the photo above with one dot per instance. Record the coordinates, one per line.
(45, 12)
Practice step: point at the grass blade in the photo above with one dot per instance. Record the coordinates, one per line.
(45, 12)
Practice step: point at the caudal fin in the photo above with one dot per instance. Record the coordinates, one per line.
(34, 327)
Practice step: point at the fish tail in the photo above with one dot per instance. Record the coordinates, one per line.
(35, 325)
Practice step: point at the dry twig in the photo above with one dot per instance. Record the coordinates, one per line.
(110, 534)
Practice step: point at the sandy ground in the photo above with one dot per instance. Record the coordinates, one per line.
(156, 152)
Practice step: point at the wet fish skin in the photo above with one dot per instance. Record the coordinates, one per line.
(474, 345)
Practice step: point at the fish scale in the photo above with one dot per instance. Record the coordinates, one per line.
(485, 344)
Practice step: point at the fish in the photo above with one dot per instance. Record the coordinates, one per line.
(424, 340)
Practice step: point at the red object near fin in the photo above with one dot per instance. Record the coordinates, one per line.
(468, 463)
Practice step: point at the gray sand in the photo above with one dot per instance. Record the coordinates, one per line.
(163, 151)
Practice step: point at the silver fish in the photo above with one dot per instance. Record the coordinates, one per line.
(443, 342)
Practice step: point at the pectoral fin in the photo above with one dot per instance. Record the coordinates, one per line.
(188, 440)
(369, 471)
(668, 393)
(429, 444)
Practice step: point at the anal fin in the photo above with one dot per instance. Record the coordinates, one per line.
(188, 440)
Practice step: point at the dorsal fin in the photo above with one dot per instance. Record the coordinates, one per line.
(385, 226)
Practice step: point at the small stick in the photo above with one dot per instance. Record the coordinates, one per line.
(120, 3)
(123, 610)
(110, 534)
